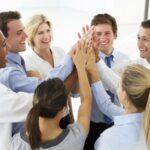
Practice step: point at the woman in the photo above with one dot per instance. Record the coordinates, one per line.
(49, 106)
(133, 121)
(40, 55)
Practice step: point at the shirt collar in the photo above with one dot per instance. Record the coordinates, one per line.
(128, 118)
(102, 55)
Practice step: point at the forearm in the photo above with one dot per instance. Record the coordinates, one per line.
(84, 86)
(93, 75)
(108, 77)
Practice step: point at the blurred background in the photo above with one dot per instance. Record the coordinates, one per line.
(68, 17)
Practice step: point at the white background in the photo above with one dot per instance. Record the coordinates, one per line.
(68, 17)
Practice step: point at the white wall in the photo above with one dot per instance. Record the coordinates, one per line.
(68, 17)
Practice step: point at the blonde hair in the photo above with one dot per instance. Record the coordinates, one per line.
(136, 83)
(33, 25)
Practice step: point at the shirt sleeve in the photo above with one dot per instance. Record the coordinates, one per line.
(108, 77)
(19, 81)
(14, 106)
(63, 70)
(104, 102)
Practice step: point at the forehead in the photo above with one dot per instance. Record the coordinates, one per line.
(15, 25)
(43, 26)
(103, 28)
(144, 32)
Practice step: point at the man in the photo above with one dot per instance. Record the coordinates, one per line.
(14, 75)
(14, 106)
(105, 32)
(109, 78)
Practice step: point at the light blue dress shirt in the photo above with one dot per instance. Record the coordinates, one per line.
(126, 134)
(97, 114)
(15, 77)
(104, 102)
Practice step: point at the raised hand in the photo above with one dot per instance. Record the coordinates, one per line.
(80, 55)
(91, 60)
(85, 30)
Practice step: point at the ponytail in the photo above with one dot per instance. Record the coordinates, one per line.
(32, 128)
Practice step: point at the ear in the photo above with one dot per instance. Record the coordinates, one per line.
(124, 95)
(115, 35)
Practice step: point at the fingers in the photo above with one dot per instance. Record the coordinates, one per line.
(79, 35)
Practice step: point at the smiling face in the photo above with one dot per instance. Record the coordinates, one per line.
(42, 37)
(3, 51)
(144, 43)
(104, 37)
(16, 36)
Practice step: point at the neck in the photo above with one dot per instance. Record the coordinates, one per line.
(49, 128)
(42, 52)
(129, 109)
(45, 54)
(109, 52)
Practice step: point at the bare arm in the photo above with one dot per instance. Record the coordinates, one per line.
(84, 112)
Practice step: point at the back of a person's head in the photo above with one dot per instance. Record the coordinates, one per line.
(32, 26)
(105, 19)
(6, 17)
(145, 24)
(49, 98)
(136, 83)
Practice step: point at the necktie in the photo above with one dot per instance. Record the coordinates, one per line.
(23, 64)
(108, 60)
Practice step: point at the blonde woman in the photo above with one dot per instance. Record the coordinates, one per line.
(131, 121)
(40, 55)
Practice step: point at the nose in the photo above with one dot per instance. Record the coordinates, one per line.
(25, 35)
(46, 35)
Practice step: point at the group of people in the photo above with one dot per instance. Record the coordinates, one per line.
(35, 85)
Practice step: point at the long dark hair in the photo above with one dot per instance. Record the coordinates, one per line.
(49, 98)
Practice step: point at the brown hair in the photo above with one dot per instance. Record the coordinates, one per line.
(5, 17)
(49, 98)
(105, 19)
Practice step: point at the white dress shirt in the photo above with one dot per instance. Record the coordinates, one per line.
(110, 77)
(14, 108)
(126, 134)
(34, 62)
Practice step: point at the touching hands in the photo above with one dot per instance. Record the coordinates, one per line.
(88, 33)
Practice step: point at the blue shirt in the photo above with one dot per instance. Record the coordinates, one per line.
(97, 114)
(103, 101)
(15, 77)
(126, 134)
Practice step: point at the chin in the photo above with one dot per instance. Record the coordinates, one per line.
(142, 56)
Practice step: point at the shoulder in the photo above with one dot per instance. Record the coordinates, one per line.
(19, 143)
(58, 50)
(77, 128)
(120, 54)
(76, 134)
(108, 139)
